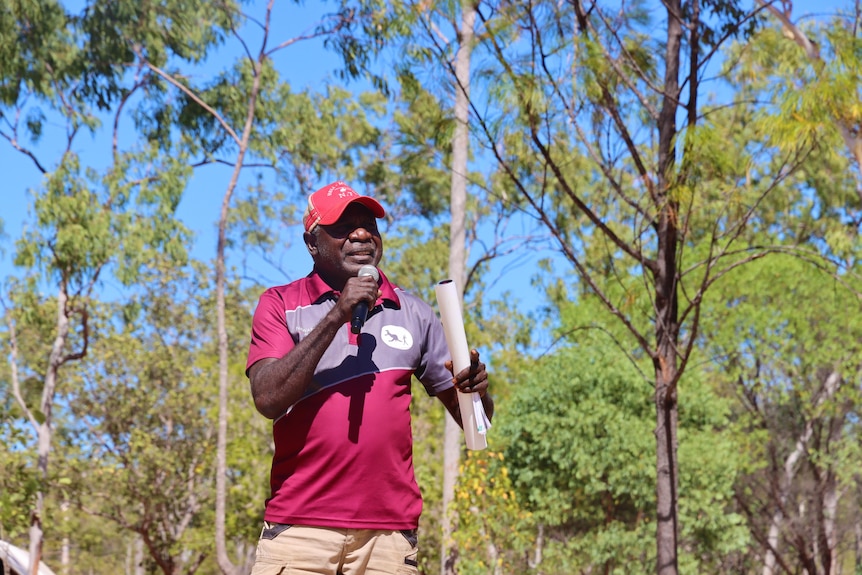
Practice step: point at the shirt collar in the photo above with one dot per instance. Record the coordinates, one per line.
(318, 289)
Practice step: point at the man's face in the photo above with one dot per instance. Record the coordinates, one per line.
(340, 249)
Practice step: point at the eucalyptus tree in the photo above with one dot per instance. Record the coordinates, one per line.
(145, 415)
(794, 369)
(598, 123)
(84, 227)
(457, 255)
(242, 115)
(91, 217)
(801, 394)
(432, 126)
(85, 224)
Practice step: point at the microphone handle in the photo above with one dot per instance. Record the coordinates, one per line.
(360, 312)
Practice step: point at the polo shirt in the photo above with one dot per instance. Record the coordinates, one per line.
(344, 452)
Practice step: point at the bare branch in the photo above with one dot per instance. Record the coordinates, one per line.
(583, 208)
(622, 74)
(195, 98)
(13, 366)
(551, 162)
(303, 37)
(13, 138)
(610, 105)
(122, 104)
(85, 334)
(15, 144)
(570, 255)
(241, 40)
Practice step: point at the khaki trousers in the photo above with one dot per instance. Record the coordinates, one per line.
(304, 550)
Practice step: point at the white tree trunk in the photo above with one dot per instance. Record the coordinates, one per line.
(784, 483)
(44, 431)
(65, 563)
(457, 260)
(830, 387)
(139, 556)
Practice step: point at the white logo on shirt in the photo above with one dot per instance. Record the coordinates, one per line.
(396, 337)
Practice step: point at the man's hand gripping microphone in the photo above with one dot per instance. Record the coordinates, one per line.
(360, 312)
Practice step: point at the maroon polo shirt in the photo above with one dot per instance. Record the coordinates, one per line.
(344, 452)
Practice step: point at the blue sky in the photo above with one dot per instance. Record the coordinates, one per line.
(200, 206)
(305, 64)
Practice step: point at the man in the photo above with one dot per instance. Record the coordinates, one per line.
(344, 499)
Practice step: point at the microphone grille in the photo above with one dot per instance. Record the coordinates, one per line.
(369, 270)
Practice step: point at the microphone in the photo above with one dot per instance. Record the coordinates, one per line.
(360, 312)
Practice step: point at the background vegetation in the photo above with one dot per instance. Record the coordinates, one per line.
(654, 211)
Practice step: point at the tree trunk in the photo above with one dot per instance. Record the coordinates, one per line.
(457, 261)
(36, 532)
(830, 495)
(65, 560)
(666, 307)
(857, 529)
(829, 544)
(44, 430)
(139, 556)
(224, 562)
(784, 482)
(538, 550)
(451, 457)
(772, 542)
(667, 472)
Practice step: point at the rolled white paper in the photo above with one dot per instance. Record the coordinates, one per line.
(473, 417)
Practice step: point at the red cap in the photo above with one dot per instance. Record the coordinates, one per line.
(327, 204)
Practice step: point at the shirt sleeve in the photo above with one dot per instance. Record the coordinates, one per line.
(432, 372)
(270, 337)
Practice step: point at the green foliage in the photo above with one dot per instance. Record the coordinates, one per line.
(35, 45)
(810, 107)
(578, 429)
(18, 482)
(574, 418)
(255, 221)
(119, 34)
(332, 135)
(148, 398)
(424, 138)
(773, 334)
(417, 261)
(490, 517)
(81, 228)
(812, 98)
(751, 324)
